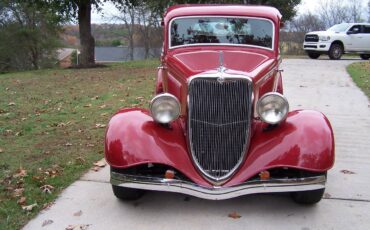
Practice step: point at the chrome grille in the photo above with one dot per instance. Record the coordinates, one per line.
(219, 124)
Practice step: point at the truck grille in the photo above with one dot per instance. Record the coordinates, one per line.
(219, 124)
(311, 38)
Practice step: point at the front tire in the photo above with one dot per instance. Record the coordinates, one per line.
(365, 56)
(336, 51)
(127, 193)
(308, 197)
(313, 55)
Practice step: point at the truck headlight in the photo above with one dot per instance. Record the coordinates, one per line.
(165, 108)
(324, 38)
(272, 108)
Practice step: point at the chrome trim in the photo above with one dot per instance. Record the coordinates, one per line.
(225, 76)
(269, 94)
(218, 192)
(165, 95)
(221, 44)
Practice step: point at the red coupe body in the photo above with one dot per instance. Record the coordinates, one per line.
(302, 142)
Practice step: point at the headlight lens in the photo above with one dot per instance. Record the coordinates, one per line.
(272, 108)
(165, 108)
(324, 38)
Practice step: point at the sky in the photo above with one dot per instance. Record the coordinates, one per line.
(109, 9)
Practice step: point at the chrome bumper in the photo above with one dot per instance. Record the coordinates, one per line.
(217, 192)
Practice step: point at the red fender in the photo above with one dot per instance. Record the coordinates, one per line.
(304, 141)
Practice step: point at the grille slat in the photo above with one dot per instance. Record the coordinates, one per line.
(219, 124)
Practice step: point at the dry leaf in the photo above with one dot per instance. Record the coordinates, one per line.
(100, 163)
(102, 106)
(88, 105)
(47, 188)
(90, 145)
(21, 172)
(22, 200)
(78, 227)
(80, 160)
(104, 114)
(68, 144)
(1, 150)
(47, 222)
(29, 207)
(79, 213)
(47, 205)
(18, 192)
(100, 125)
(234, 215)
(345, 171)
(11, 104)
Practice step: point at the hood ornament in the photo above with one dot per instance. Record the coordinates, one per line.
(221, 69)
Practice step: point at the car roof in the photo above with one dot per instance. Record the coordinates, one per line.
(224, 10)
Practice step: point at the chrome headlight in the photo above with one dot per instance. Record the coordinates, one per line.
(272, 108)
(165, 108)
(324, 38)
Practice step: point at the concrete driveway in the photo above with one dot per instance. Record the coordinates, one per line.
(322, 85)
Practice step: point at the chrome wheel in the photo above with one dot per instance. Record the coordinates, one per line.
(335, 52)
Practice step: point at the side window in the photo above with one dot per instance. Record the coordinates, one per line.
(366, 29)
(356, 29)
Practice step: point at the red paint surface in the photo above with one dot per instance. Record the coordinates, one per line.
(304, 141)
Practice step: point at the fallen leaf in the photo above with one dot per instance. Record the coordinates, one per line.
(29, 207)
(88, 105)
(102, 106)
(100, 125)
(18, 192)
(78, 227)
(22, 200)
(104, 114)
(345, 171)
(47, 188)
(234, 215)
(68, 144)
(21, 172)
(47, 222)
(18, 134)
(1, 150)
(90, 145)
(11, 104)
(96, 168)
(79, 213)
(47, 205)
(100, 163)
(326, 195)
(95, 98)
(80, 160)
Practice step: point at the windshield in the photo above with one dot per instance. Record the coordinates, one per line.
(221, 30)
(339, 28)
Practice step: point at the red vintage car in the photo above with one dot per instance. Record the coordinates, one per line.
(219, 126)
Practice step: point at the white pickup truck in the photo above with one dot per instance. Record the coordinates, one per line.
(339, 39)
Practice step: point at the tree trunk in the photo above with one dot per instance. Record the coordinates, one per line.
(87, 41)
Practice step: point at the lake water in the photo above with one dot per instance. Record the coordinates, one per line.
(121, 54)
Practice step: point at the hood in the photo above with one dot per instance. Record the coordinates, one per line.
(191, 63)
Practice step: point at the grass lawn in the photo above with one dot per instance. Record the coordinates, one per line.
(360, 73)
(52, 128)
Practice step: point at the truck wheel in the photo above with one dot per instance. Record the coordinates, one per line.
(365, 56)
(127, 193)
(308, 197)
(335, 52)
(313, 55)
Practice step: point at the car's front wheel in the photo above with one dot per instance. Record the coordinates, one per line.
(127, 193)
(365, 56)
(313, 55)
(308, 197)
(336, 51)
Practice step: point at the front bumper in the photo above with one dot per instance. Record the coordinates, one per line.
(316, 46)
(217, 192)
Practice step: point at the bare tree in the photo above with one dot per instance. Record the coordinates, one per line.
(333, 12)
(368, 5)
(355, 10)
(305, 23)
(128, 17)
